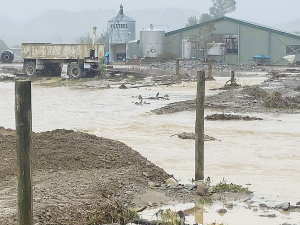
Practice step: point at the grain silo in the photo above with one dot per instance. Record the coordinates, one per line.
(121, 29)
(152, 42)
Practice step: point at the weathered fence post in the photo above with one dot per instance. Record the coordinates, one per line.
(209, 70)
(23, 141)
(177, 67)
(232, 81)
(199, 128)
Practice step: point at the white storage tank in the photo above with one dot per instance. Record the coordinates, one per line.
(217, 49)
(121, 28)
(186, 51)
(152, 42)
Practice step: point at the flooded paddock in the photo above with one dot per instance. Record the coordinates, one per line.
(263, 154)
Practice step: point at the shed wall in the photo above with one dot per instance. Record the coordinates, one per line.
(252, 40)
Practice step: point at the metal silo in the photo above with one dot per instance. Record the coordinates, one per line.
(121, 28)
(152, 42)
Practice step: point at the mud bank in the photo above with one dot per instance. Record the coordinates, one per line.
(279, 94)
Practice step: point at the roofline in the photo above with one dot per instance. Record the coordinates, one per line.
(236, 21)
(114, 19)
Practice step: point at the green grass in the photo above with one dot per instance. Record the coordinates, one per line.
(224, 187)
(167, 217)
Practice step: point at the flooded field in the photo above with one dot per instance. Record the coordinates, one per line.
(263, 154)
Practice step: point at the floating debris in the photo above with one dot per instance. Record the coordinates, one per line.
(224, 116)
(185, 135)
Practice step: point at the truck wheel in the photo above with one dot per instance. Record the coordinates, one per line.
(74, 70)
(7, 56)
(29, 69)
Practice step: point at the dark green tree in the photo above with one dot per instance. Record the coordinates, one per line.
(205, 17)
(218, 9)
(191, 21)
(222, 7)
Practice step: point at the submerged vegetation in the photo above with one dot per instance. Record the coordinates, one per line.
(274, 99)
(224, 187)
(167, 217)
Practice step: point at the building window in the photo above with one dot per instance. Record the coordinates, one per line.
(292, 49)
(231, 43)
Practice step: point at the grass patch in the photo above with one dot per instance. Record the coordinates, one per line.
(112, 212)
(224, 187)
(167, 217)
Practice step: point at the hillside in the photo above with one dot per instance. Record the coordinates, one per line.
(59, 26)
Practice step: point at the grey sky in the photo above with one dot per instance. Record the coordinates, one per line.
(266, 12)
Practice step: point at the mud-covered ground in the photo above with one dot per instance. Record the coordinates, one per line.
(278, 94)
(74, 172)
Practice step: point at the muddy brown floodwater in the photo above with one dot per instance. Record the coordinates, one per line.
(264, 153)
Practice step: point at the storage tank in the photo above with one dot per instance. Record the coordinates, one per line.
(152, 42)
(217, 49)
(121, 28)
(186, 51)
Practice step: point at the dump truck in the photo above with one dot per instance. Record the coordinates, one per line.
(48, 59)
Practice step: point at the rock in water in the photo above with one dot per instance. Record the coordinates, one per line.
(221, 211)
(171, 181)
(285, 206)
(229, 205)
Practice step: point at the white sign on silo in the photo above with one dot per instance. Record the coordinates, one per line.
(152, 42)
(121, 28)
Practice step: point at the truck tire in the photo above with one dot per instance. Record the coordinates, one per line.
(74, 70)
(7, 57)
(29, 69)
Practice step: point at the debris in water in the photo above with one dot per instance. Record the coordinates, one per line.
(123, 87)
(224, 116)
(185, 135)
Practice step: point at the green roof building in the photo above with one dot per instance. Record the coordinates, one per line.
(236, 42)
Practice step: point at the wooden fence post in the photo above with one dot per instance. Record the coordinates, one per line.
(232, 81)
(210, 70)
(199, 128)
(177, 67)
(23, 140)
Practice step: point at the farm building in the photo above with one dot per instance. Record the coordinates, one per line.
(236, 42)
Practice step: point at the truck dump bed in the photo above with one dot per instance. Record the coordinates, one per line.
(60, 51)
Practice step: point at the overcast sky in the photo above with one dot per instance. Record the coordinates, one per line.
(266, 12)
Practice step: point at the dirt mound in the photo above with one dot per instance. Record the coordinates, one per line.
(61, 150)
(72, 173)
